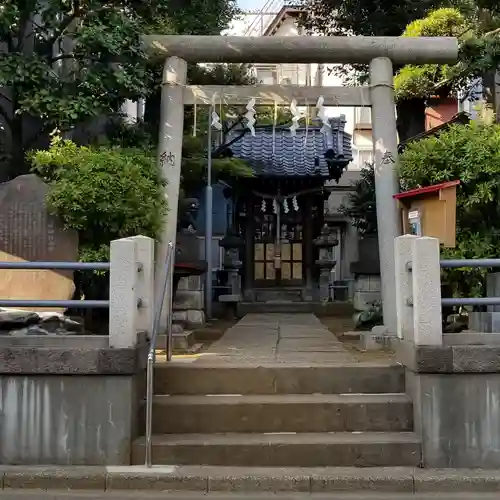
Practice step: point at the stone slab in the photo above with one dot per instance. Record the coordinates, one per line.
(28, 232)
(467, 337)
(55, 478)
(68, 341)
(456, 481)
(374, 483)
(72, 360)
(449, 359)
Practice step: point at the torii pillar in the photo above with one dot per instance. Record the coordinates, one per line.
(380, 52)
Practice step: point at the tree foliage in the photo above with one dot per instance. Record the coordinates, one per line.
(103, 193)
(69, 61)
(421, 81)
(470, 153)
(363, 17)
(361, 203)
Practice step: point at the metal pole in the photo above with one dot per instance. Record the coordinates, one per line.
(385, 145)
(208, 223)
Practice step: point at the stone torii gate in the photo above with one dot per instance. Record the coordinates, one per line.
(379, 52)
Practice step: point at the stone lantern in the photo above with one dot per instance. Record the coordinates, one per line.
(325, 242)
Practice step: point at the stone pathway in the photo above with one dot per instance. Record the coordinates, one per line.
(278, 338)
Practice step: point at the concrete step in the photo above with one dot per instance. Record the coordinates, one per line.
(80, 482)
(282, 413)
(290, 307)
(194, 378)
(281, 295)
(156, 495)
(337, 449)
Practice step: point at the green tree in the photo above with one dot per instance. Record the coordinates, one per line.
(362, 17)
(69, 61)
(104, 193)
(414, 85)
(474, 21)
(470, 153)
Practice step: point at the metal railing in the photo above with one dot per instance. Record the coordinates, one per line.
(56, 266)
(468, 301)
(168, 283)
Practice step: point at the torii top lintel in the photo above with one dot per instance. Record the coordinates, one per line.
(303, 49)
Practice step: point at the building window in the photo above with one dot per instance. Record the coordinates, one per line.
(361, 158)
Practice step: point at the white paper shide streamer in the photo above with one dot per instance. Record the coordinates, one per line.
(296, 116)
(275, 206)
(295, 204)
(285, 206)
(322, 115)
(215, 117)
(250, 116)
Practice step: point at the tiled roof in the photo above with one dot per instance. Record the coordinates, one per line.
(299, 155)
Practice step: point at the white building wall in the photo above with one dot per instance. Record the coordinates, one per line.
(314, 74)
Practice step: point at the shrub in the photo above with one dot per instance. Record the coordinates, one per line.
(470, 153)
(104, 193)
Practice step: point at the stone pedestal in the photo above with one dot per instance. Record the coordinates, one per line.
(325, 243)
(366, 291)
(188, 305)
(70, 400)
(455, 390)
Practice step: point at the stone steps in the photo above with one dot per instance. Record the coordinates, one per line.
(334, 449)
(282, 413)
(292, 414)
(229, 378)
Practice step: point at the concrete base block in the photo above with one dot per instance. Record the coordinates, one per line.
(183, 341)
(375, 340)
(457, 418)
(190, 283)
(190, 318)
(188, 299)
(75, 420)
(364, 300)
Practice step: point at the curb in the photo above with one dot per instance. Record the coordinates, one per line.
(249, 480)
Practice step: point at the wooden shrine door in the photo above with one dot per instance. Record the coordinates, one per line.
(278, 259)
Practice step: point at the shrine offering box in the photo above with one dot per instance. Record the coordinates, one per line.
(431, 211)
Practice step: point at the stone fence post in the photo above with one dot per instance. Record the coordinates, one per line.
(131, 290)
(418, 287)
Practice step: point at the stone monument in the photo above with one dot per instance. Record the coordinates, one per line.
(29, 232)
